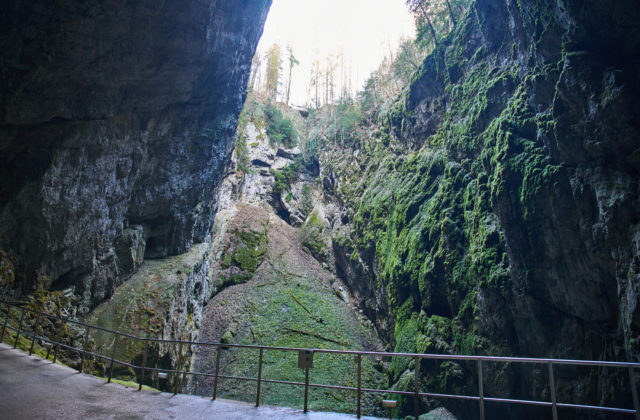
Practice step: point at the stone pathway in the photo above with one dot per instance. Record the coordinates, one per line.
(32, 388)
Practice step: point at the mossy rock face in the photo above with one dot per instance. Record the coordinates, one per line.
(149, 305)
(58, 304)
(476, 196)
(314, 235)
(7, 271)
(290, 301)
(244, 253)
(242, 248)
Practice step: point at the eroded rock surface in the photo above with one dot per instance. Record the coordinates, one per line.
(115, 126)
(503, 216)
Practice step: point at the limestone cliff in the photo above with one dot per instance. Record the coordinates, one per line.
(116, 122)
(496, 209)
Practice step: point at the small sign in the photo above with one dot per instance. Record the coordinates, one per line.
(305, 359)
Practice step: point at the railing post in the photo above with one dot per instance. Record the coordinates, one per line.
(416, 402)
(35, 332)
(113, 356)
(84, 349)
(552, 389)
(215, 378)
(306, 388)
(144, 363)
(480, 390)
(634, 392)
(15, 343)
(50, 344)
(359, 382)
(176, 373)
(6, 321)
(259, 377)
(58, 338)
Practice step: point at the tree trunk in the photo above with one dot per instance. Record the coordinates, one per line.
(426, 17)
(289, 84)
(453, 18)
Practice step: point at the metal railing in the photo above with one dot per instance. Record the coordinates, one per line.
(416, 394)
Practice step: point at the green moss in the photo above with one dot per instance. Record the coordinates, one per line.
(227, 261)
(129, 384)
(248, 250)
(429, 214)
(280, 129)
(285, 176)
(291, 312)
(227, 337)
(313, 235)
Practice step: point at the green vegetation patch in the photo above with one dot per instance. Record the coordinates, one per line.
(140, 307)
(280, 129)
(426, 206)
(290, 311)
(285, 176)
(313, 235)
(244, 252)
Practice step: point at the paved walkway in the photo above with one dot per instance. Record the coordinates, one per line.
(32, 388)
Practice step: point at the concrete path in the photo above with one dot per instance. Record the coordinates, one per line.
(32, 388)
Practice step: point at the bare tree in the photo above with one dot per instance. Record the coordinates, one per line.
(292, 62)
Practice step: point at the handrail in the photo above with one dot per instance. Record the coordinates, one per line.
(481, 398)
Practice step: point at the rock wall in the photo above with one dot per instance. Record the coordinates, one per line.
(502, 215)
(163, 299)
(116, 122)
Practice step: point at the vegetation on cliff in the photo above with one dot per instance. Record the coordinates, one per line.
(458, 196)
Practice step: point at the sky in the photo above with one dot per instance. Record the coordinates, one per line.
(366, 30)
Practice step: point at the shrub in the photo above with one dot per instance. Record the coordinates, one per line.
(286, 175)
(280, 130)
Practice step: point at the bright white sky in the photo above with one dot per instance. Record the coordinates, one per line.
(366, 30)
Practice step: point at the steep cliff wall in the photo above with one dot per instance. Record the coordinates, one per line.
(115, 124)
(500, 205)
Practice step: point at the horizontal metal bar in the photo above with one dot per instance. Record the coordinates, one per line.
(65, 319)
(515, 401)
(159, 370)
(455, 397)
(277, 381)
(125, 364)
(239, 378)
(598, 408)
(343, 388)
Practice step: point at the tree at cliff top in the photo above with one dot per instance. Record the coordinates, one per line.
(256, 72)
(274, 66)
(293, 61)
(435, 18)
(392, 75)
